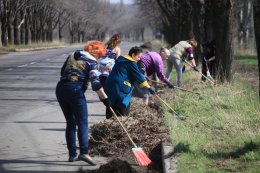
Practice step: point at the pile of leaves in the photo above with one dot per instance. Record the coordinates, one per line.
(144, 125)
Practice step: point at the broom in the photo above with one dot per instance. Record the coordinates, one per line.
(141, 158)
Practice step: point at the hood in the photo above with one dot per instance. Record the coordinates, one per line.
(125, 58)
(81, 55)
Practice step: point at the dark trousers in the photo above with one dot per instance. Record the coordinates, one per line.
(71, 98)
(119, 110)
(204, 71)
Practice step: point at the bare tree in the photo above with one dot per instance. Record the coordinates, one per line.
(256, 4)
(244, 17)
(222, 24)
(4, 23)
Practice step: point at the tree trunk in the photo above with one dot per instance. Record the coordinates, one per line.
(27, 36)
(223, 22)
(60, 30)
(10, 30)
(257, 32)
(16, 32)
(4, 36)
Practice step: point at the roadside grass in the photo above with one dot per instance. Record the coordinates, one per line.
(221, 133)
(38, 45)
(246, 59)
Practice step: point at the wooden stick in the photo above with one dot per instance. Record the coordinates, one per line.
(177, 115)
(199, 72)
(123, 127)
(176, 87)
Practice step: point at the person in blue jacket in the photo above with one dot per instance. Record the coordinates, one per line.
(120, 82)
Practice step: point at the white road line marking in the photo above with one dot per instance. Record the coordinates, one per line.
(32, 62)
(23, 65)
(48, 59)
(9, 69)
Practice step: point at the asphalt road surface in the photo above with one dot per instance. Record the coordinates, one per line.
(32, 126)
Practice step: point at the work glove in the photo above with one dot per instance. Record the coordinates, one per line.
(170, 85)
(152, 90)
(196, 68)
(106, 102)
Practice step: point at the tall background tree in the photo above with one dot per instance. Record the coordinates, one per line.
(256, 4)
(34, 21)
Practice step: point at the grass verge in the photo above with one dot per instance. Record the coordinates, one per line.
(246, 59)
(38, 45)
(221, 133)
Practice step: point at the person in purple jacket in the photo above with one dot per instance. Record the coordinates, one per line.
(152, 63)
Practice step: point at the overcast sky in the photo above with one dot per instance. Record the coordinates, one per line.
(126, 1)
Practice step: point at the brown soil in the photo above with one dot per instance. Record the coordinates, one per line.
(144, 125)
(114, 166)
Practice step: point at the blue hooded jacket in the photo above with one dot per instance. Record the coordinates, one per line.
(81, 67)
(119, 84)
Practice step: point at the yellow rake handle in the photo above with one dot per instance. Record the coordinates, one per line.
(123, 127)
(166, 104)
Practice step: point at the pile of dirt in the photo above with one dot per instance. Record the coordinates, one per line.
(144, 125)
(114, 166)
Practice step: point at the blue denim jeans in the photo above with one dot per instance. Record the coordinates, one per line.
(71, 98)
(176, 62)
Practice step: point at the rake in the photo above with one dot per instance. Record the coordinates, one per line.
(183, 89)
(141, 158)
(177, 114)
(212, 82)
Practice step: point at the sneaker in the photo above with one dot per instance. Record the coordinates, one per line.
(87, 158)
(73, 159)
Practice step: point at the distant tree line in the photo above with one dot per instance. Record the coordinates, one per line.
(31, 21)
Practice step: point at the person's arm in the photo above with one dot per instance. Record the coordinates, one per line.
(159, 69)
(160, 73)
(101, 94)
(96, 85)
(140, 78)
(191, 56)
(141, 68)
(117, 51)
(137, 75)
(212, 58)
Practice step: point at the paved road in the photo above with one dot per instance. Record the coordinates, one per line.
(32, 126)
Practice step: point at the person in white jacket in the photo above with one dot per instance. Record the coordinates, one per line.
(182, 51)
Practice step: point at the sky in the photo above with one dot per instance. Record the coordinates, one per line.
(125, 1)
